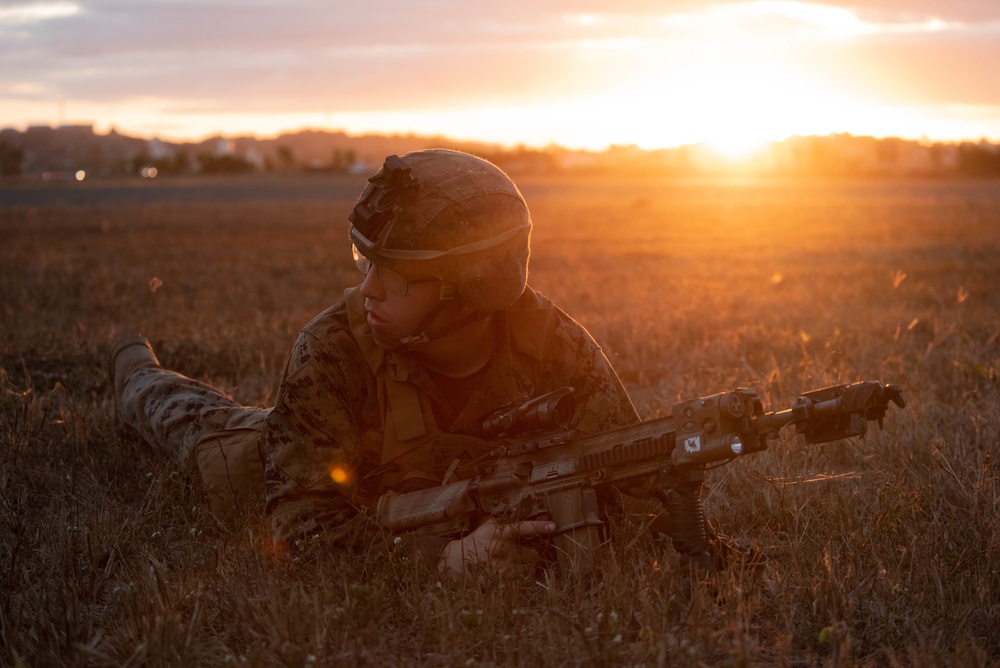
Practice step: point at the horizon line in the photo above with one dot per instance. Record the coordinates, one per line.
(552, 145)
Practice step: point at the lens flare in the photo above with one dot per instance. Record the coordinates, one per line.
(340, 475)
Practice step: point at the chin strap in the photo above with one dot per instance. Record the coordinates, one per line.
(423, 335)
(414, 340)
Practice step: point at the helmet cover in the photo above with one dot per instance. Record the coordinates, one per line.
(451, 215)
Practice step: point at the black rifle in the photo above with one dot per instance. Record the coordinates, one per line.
(541, 468)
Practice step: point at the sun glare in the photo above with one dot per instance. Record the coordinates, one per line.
(734, 78)
(737, 147)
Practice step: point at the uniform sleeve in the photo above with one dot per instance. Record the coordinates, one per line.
(311, 440)
(602, 402)
(575, 359)
(314, 452)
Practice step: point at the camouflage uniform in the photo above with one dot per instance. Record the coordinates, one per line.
(324, 450)
(354, 419)
(199, 426)
(328, 415)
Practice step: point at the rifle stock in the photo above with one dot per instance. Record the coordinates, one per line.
(557, 473)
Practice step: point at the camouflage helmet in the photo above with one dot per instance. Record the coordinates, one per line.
(450, 215)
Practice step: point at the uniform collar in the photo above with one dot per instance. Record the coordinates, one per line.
(501, 382)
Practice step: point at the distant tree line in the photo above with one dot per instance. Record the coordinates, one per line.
(976, 160)
(11, 158)
(18, 157)
(66, 150)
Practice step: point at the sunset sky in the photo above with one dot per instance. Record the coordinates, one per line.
(582, 74)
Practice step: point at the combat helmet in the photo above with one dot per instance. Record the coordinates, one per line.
(450, 215)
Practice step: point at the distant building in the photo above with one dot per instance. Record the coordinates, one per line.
(865, 156)
(220, 146)
(159, 150)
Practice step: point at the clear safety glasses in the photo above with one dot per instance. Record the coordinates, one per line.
(393, 281)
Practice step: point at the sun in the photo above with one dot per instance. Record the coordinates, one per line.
(732, 80)
(738, 147)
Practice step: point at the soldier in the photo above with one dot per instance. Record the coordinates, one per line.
(386, 389)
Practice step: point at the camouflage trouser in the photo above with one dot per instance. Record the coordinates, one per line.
(201, 427)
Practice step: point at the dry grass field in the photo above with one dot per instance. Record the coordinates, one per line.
(883, 551)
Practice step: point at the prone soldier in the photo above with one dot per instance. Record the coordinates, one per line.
(386, 390)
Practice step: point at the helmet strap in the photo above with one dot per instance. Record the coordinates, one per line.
(424, 335)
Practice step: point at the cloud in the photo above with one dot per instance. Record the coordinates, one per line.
(903, 11)
(359, 54)
(22, 14)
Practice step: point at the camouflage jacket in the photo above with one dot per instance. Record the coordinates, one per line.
(326, 432)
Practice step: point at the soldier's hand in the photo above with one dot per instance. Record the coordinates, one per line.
(495, 547)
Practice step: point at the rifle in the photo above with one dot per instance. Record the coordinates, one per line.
(541, 467)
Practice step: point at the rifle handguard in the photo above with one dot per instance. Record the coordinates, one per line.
(444, 510)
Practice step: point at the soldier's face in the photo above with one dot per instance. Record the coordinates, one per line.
(392, 316)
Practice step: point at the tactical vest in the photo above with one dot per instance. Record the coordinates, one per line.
(415, 453)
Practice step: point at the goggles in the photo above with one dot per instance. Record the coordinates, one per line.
(392, 281)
